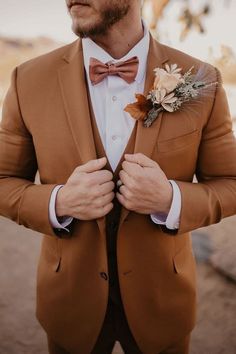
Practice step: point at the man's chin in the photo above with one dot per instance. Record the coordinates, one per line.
(88, 31)
(80, 32)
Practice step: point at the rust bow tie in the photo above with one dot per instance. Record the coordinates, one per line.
(127, 70)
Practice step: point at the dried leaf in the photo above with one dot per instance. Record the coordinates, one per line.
(140, 108)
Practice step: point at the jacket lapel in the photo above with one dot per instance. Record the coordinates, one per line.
(73, 87)
(146, 138)
(72, 81)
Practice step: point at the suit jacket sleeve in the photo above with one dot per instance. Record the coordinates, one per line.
(214, 196)
(21, 199)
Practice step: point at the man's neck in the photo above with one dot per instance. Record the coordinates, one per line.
(121, 38)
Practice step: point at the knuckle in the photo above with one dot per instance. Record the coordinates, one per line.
(128, 205)
(121, 173)
(106, 209)
(83, 177)
(128, 194)
(122, 190)
(110, 206)
(112, 195)
(109, 187)
(78, 168)
(99, 213)
(124, 164)
(98, 203)
(132, 185)
(89, 180)
(97, 193)
(108, 173)
(137, 177)
(88, 163)
(140, 155)
(156, 163)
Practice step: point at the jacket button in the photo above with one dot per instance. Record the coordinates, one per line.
(104, 275)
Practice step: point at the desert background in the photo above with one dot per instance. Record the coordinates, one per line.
(205, 29)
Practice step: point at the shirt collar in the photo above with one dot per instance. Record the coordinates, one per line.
(91, 49)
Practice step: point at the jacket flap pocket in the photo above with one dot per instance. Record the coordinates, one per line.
(184, 260)
(50, 252)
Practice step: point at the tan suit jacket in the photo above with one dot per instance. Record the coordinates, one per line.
(46, 126)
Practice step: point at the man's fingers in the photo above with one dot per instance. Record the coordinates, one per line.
(100, 177)
(121, 198)
(104, 210)
(124, 191)
(132, 168)
(106, 188)
(126, 179)
(123, 201)
(93, 165)
(140, 159)
(106, 199)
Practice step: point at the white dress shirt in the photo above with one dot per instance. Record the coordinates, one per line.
(115, 126)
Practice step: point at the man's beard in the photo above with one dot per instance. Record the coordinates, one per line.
(108, 17)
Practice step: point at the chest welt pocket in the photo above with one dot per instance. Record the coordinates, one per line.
(179, 142)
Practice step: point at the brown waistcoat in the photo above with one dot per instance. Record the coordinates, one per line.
(113, 218)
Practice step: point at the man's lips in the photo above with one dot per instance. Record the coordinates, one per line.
(78, 3)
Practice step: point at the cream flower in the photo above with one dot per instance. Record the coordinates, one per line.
(168, 78)
(164, 99)
(173, 69)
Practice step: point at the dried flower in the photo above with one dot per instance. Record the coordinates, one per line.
(160, 97)
(170, 90)
(167, 78)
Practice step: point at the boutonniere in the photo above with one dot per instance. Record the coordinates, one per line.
(170, 90)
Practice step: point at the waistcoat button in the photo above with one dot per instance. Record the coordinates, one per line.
(114, 226)
(104, 275)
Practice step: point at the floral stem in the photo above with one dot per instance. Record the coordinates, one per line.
(152, 116)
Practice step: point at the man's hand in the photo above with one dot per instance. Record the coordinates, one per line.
(145, 188)
(88, 193)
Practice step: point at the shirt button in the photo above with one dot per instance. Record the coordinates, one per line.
(114, 137)
(114, 98)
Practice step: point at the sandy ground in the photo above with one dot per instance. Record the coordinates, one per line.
(21, 334)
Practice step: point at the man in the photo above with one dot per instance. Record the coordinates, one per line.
(116, 262)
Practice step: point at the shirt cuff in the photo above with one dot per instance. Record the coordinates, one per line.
(65, 220)
(171, 221)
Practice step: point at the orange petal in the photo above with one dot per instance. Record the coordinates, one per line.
(139, 109)
(134, 110)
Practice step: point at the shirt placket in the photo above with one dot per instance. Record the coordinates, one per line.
(114, 135)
